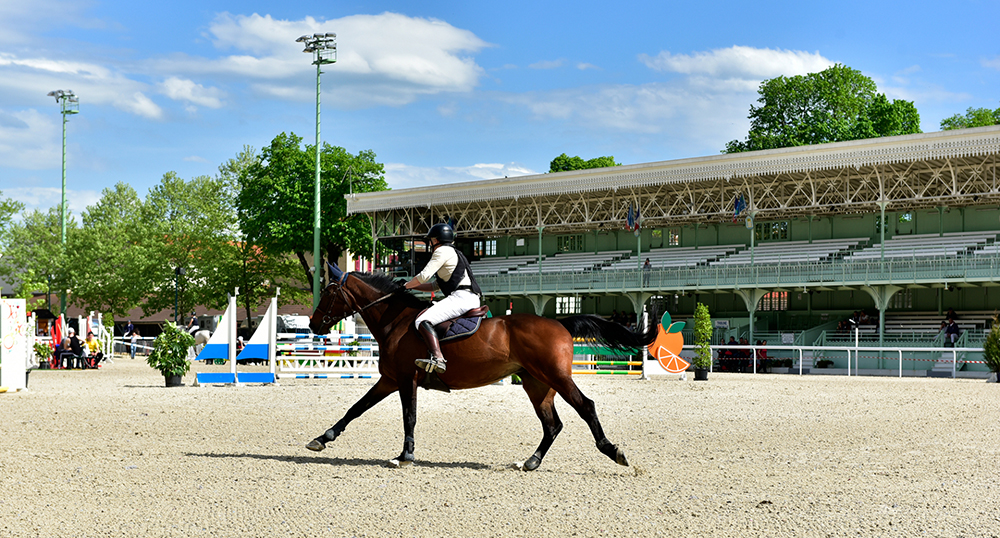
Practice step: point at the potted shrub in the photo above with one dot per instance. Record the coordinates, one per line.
(991, 350)
(702, 342)
(170, 352)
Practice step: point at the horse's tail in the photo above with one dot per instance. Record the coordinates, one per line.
(608, 333)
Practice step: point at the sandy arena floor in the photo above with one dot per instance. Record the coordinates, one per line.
(114, 453)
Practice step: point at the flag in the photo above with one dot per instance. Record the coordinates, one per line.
(638, 218)
(56, 332)
(630, 220)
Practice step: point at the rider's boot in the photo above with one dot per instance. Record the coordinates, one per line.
(435, 362)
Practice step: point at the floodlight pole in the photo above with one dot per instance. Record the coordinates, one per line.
(69, 103)
(324, 50)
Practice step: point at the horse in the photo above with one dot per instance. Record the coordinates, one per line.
(200, 339)
(539, 350)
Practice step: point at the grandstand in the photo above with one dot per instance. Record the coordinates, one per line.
(902, 228)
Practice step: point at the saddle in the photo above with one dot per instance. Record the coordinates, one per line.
(462, 326)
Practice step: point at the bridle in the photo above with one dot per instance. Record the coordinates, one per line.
(348, 300)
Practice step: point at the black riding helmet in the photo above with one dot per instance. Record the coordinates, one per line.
(443, 232)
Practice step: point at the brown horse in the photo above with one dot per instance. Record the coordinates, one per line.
(538, 349)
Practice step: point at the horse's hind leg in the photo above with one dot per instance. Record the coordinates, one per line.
(584, 406)
(543, 399)
(375, 395)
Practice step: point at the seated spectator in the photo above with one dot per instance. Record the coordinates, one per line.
(93, 350)
(71, 350)
(951, 314)
(951, 333)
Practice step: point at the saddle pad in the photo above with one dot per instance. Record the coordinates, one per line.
(461, 327)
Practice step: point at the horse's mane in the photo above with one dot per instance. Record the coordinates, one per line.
(386, 284)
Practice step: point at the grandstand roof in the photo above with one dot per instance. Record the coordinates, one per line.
(949, 168)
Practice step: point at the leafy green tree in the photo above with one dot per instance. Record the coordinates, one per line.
(113, 254)
(276, 197)
(836, 104)
(240, 263)
(974, 117)
(565, 163)
(187, 221)
(34, 258)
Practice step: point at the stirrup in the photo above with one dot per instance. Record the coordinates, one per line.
(432, 364)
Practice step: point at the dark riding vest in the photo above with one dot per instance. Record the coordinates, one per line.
(461, 269)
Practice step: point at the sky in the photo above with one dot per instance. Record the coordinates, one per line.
(442, 92)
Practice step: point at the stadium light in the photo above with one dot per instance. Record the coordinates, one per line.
(69, 103)
(323, 47)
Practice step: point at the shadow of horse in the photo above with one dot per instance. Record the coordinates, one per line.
(345, 462)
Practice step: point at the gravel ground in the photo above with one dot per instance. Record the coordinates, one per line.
(114, 453)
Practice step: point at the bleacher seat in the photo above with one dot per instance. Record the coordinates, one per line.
(793, 251)
(926, 245)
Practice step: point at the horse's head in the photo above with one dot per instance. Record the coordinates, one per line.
(352, 293)
(333, 304)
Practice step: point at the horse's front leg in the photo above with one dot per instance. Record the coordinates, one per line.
(375, 395)
(408, 397)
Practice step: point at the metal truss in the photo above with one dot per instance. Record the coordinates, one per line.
(955, 181)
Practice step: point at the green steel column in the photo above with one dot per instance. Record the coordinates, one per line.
(317, 267)
(881, 228)
(940, 221)
(62, 207)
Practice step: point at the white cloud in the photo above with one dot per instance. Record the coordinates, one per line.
(93, 83)
(705, 105)
(992, 63)
(386, 59)
(29, 140)
(43, 198)
(195, 159)
(739, 62)
(187, 90)
(583, 66)
(548, 64)
(139, 104)
(402, 176)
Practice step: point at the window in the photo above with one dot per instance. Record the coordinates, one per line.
(776, 300)
(879, 222)
(902, 300)
(769, 231)
(674, 238)
(567, 305)
(569, 243)
(484, 248)
(906, 217)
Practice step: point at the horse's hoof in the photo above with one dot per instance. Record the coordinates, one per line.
(315, 445)
(531, 464)
(396, 463)
(620, 458)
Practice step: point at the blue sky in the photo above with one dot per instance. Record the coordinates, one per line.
(443, 91)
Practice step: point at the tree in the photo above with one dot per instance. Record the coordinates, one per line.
(240, 263)
(974, 117)
(187, 221)
(34, 257)
(276, 197)
(702, 337)
(565, 163)
(113, 254)
(836, 104)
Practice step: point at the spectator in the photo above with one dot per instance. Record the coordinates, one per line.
(72, 350)
(94, 350)
(135, 341)
(762, 356)
(647, 268)
(951, 332)
(951, 314)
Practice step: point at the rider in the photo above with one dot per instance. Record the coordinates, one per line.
(454, 279)
(193, 326)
